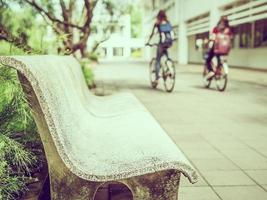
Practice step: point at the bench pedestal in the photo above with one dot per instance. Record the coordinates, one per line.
(161, 186)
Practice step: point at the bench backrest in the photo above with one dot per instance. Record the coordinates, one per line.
(66, 106)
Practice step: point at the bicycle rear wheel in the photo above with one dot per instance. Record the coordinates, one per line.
(152, 73)
(169, 75)
(221, 79)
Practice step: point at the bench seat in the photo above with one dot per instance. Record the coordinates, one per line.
(98, 139)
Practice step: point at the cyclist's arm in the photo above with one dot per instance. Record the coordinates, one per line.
(152, 33)
(213, 34)
(172, 35)
(212, 37)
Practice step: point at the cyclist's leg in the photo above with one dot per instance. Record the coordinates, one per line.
(166, 53)
(219, 61)
(158, 58)
(209, 59)
(219, 64)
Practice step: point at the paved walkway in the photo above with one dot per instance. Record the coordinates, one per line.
(223, 134)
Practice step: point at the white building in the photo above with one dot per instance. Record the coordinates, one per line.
(120, 45)
(193, 19)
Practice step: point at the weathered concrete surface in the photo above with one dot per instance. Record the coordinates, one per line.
(76, 135)
(223, 134)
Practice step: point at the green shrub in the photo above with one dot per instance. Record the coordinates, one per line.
(9, 49)
(93, 57)
(17, 129)
(10, 186)
(88, 73)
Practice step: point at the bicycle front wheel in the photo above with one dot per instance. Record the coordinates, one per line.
(221, 79)
(169, 74)
(152, 73)
(206, 81)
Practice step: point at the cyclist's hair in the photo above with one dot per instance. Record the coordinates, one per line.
(225, 20)
(162, 16)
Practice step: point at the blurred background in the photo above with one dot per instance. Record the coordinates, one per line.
(116, 31)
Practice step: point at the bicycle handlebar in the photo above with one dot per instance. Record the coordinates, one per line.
(156, 44)
(151, 45)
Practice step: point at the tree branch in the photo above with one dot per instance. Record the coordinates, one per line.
(17, 41)
(98, 43)
(49, 15)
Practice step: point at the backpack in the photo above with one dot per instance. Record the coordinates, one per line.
(222, 44)
(165, 32)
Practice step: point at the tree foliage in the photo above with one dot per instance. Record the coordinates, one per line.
(71, 20)
(15, 30)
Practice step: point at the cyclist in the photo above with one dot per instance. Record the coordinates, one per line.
(164, 28)
(217, 49)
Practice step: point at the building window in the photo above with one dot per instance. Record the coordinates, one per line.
(103, 52)
(260, 33)
(176, 31)
(244, 32)
(136, 52)
(118, 51)
(251, 35)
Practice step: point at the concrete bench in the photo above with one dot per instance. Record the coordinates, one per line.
(90, 141)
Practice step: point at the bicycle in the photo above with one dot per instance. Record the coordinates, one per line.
(220, 74)
(167, 71)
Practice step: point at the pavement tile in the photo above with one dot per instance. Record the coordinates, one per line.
(198, 120)
(227, 178)
(260, 176)
(194, 145)
(214, 164)
(240, 153)
(263, 151)
(229, 145)
(197, 193)
(185, 182)
(248, 137)
(202, 153)
(250, 162)
(257, 143)
(241, 193)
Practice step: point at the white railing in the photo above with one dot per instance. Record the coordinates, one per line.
(248, 12)
(200, 25)
(243, 7)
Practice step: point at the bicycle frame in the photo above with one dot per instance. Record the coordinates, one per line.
(165, 52)
(167, 70)
(223, 63)
(219, 76)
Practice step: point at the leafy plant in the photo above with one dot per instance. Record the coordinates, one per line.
(93, 57)
(88, 74)
(16, 162)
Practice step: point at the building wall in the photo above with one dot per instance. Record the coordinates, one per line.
(243, 57)
(194, 55)
(121, 45)
(252, 58)
(184, 11)
(194, 8)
